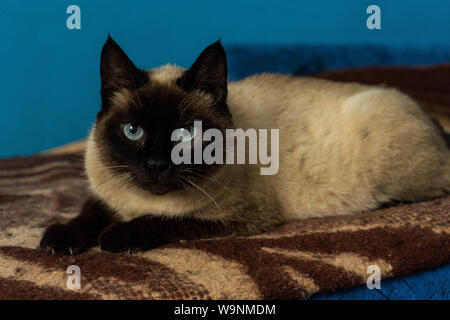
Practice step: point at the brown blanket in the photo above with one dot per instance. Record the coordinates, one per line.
(294, 261)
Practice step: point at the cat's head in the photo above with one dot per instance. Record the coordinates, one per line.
(141, 109)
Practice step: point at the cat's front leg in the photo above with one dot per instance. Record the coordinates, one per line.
(80, 233)
(149, 232)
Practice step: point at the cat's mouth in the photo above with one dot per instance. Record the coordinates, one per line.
(157, 187)
(161, 190)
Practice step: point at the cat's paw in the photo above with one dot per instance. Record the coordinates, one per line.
(115, 238)
(62, 239)
(122, 236)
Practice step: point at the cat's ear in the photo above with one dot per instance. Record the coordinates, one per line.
(208, 73)
(117, 71)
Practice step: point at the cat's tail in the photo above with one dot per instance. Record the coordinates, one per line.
(446, 136)
(439, 183)
(446, 176)
(444, 133)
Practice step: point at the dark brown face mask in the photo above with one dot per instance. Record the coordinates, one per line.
(135, 136)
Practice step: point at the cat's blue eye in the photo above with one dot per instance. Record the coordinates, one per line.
(185, 134)
(132, 131)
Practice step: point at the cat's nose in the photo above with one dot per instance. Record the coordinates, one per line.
(157, 164)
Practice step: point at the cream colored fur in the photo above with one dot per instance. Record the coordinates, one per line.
(344, 148)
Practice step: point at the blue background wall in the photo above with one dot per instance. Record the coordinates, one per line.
(49, 82)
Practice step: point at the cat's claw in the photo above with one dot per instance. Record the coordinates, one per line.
(61, 239)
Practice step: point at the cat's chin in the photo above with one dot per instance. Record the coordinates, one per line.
(159, 190)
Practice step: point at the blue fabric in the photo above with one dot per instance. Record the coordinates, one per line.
(431, 284)
(309, 60)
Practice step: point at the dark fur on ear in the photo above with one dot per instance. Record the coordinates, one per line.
(117, 71)
(209, 73)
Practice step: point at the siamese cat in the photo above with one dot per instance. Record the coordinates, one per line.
(343, 148)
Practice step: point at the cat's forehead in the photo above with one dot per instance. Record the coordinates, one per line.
(162, 95)
(161, 85)
(165, 74)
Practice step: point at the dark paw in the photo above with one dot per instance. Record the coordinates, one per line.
(62, 239)
(115, 238)
(121, 237)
